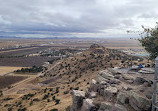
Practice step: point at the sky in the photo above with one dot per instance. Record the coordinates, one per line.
(76, 18)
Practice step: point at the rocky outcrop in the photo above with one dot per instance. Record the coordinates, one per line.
(88, 105)
(110, 92)
(78, 97)
(122, 98)
(106, 106)
(139, 102)
(114, 91)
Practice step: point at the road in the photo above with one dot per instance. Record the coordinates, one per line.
(24, 83)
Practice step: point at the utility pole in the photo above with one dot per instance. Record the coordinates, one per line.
(154, 98)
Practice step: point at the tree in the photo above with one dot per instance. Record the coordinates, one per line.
(149, 40)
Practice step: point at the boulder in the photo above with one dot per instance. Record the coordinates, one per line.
(101, 92)
(139, 81)
(92, 95)
(126, 88)
(139, 103)
(126, 77)
(147, 71)
(110, 91)
(106, 74)
(106, 106)
(145, 82)
(101, 79)
(93, 84)
(114, 81)
(78, 97)
(117, 76)
(115, 70)
(122, 98)
(119, 107)
(88, 105)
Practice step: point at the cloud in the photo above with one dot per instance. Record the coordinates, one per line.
(75, 17)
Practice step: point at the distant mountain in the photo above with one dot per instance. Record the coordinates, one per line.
(9, 37)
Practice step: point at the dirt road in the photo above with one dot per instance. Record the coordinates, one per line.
(24, 84)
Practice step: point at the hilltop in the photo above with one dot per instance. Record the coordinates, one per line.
(52, 88)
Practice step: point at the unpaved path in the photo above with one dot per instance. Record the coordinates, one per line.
(24, 84)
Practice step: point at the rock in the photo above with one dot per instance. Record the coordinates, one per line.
(117, 76)
(92, 95)
(93, 84)
(147, 84)
(114, 81)
(148, 93)
(115, 70)
(119, 107)
(139, 103)
(127, 88)
(88, 105)
(122, 98)
(134, 68)
(78, 97)
(110, 91)
(149, 96)
(101, 92)
(106, 106)
(147, 71)
(139, 81)
(106, 74)
(113, 85)
(101, 79)
(129, 81)
(126, 77)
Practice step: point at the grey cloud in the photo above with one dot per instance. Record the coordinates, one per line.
(72, 17)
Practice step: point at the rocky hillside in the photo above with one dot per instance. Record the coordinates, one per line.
(116, 90)
(53, 89)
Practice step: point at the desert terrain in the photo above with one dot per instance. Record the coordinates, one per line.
(67, 64)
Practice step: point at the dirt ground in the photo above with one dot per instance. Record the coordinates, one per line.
(7, 69)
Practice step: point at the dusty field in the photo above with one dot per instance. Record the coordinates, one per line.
(5, 70)
(6, 81)
(24, 61)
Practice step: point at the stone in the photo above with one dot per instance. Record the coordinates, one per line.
(106, 74)
(78, 97)
(139, 103)
(110, 91)
(147, 71)
(88, 105)
(129, 81)
(101, 92)
(127, 88)
(119, 107)
(115, 70)
(92, 95)
(122, 98)
(147, 84)
(93, 84)
(126, 77)
(114, 81)
(117, 76)
(106, 106)
(101, 79)
(139, 81)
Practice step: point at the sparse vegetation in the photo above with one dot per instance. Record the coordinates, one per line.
(33, 69)
(149, 41)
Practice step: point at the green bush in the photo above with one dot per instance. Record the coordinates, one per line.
(54, 109)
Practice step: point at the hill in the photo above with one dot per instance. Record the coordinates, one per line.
(53, 88)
